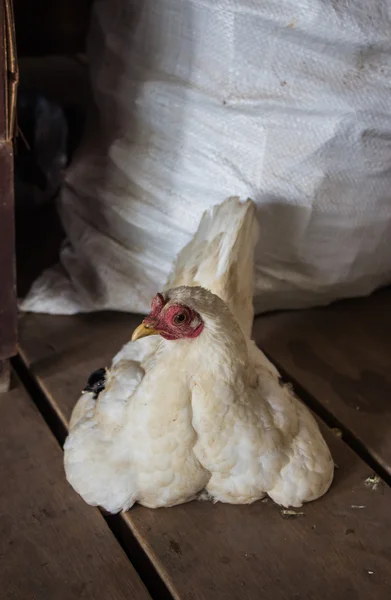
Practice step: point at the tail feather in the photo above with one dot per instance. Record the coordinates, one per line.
(220, 257)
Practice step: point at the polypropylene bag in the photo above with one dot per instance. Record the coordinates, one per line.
(286, 102)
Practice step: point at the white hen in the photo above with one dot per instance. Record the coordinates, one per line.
(198, 410)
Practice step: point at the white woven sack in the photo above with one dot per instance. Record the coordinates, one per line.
(286, 102)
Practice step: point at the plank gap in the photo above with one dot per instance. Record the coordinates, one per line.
(40, 399)
(332, 422)
(140, 560)
(121, 531)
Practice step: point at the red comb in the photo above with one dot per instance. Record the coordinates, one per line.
(157, 304)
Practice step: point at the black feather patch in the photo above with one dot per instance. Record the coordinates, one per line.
(96, 382)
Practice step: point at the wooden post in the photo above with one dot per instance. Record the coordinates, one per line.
(8, 84)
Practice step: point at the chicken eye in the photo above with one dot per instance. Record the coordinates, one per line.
(180, 318)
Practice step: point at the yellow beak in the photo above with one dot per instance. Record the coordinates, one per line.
(142, 331)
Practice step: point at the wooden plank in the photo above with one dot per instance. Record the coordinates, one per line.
(51, 545)
(205, 551)
(12, 69)
(3, 74)
(7, 254)
(342, 356)
(7, 238)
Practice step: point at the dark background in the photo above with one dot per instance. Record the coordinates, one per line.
(51, 26)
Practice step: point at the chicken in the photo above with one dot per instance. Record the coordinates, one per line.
(191, 408)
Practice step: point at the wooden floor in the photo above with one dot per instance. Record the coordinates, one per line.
(53, 546)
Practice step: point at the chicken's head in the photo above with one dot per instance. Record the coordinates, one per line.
(170, 319)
